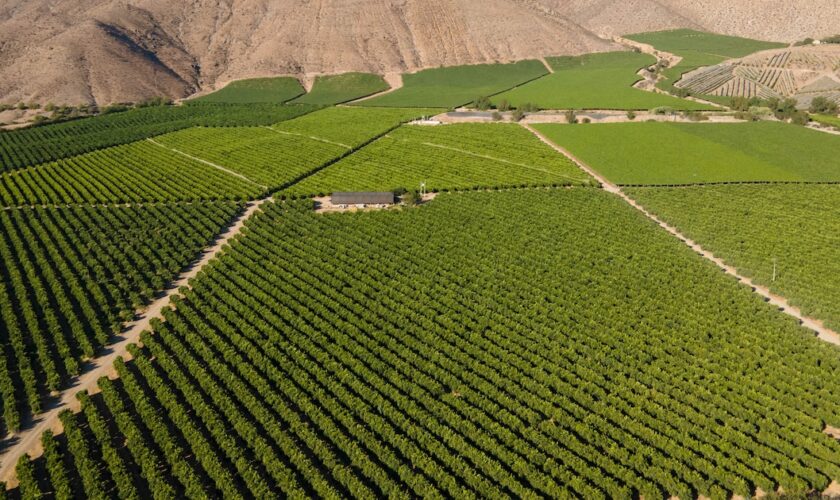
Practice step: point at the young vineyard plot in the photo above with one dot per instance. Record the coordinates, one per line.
(675, 153)
(699, 49)
(70, 277)
(529, 343)
(467, 156)
(783, 237)
(351, 126)
(31, 146)
(138, 172)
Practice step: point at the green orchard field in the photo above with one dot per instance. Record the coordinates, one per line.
(454, 86)
(70, 278)
(523, 344)
(749, 227)
(594, 81)
(139, 172)
(699, 49)
(834, 121)
(256, 90)
(336, 89)
(467, 156)
(34, 145)
(686, 153)
(275, 157)
(351, 126)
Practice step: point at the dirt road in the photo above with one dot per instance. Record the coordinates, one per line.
(817, 326)
(29, 439)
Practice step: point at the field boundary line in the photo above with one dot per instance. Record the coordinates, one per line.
(314, 138)
(500, 160)
(208, 163)
(730, 183)
(29, 440)
(822, 332)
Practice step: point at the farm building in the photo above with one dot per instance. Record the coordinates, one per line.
(363, 198)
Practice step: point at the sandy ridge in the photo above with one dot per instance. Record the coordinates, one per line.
(29, 439)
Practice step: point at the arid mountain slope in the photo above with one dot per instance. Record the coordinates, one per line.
(105, 51)
(124, 50)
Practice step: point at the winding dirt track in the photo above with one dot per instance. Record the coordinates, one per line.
(29, 440)
(817, 326)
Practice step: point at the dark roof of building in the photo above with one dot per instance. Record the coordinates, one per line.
(363, 198)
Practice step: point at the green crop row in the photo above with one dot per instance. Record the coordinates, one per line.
(31, 146)
(530, 343)
(786, 237)
(132, 173)
(72, 276)
(463, 156)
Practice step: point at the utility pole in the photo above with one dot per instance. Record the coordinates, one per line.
(423, 188)
(774, 269)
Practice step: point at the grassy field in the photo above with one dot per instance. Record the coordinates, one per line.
(834, 121)
(256, 90)
(446, 157)
(751, 226)
(454, 86)
(699, 49)
(674, 153)
(351, 126)
(336, 89)
(522, 344)
(594, 81)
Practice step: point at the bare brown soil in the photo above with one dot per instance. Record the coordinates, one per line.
(106, 51)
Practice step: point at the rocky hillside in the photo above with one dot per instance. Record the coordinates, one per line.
(104, 51)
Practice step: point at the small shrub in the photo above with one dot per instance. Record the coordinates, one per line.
(497, 116)
(571, 117)
(631, 115)
(517, 115)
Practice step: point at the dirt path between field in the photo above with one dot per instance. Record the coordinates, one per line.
(823, 333)
(208, 163)
(29, 439)
(314, 138)
(395, 80)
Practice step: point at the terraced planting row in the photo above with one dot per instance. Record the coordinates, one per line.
(31, 146)
(466, 156)
(786, 237)
(70, 277)
(698, 49)
(675, 153)
(305, 364)
(134, 173)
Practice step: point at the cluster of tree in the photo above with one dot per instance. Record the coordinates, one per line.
(60, 304)
(783, 109)
(484, 103)
(823, 106)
